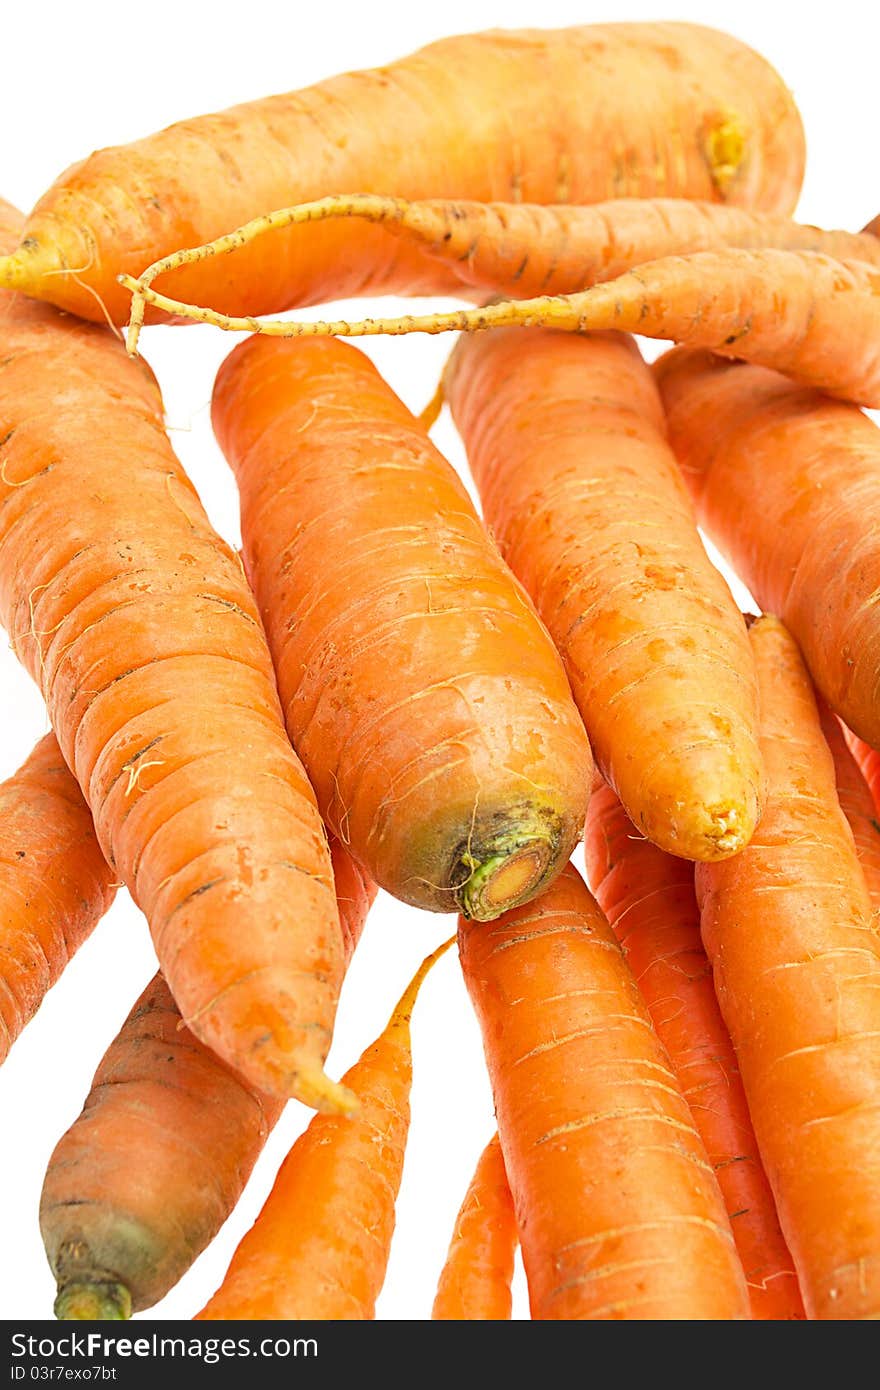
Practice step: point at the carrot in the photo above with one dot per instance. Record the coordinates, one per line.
(856, 802)
(422, 693)
(569, 115)
(567, 444)
(55, 884)
(475, 1280)
(525, 249)
(319, 1247)
(138, 626)
(811, 551)
(149, 1171)
(805, 313)
(648, 897)
(787, 927)
(618, 1209)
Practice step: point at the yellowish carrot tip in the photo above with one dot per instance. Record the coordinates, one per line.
(28, 266)
(311, 1086)
(431, 413)
(93, 1303)
(400, 1018)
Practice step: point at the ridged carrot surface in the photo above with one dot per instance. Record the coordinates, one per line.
(856, 802)
(475, 1281)
(425, 698)
(787, 925)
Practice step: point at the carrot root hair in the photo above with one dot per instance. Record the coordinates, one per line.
(107, 1302)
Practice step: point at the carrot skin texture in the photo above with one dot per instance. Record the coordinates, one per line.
(856, 803)
(787, 927)
(120, 613)
(320, 1246)
(711, 120)
(148, 1173)
(619, 1212)
(475, 1281)
(566, 442)
(811, 551)
(55, 884)
(649, 899)
(421, 690)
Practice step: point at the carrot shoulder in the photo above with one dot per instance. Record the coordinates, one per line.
(422, 692)
(648, 897)
(619, 1212)
(475, 1281)
(787, 927)
(567, 444)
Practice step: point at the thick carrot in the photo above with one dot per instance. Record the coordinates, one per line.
(804, 313)
(149, 1171)
(525, 249)
(811, 550)
(787, 927)
(55, 884)
(319, 1248)
(567, 444)
(569, 115)
(475, 1281)
(619, 1212)
(426, 700)
(137, 624)
(856, 802)
(648, 897)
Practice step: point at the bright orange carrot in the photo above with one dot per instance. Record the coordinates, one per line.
(856, 802)
(422, 693)
(320, 1246)
(147, 1174)
(55, 884)
(475, 1280)
(648, 897)
(811, 551)
(137, 624)
(619, 1211)
(569, 115)
(787, 927)
(567, 444)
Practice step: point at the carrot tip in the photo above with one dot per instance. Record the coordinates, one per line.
(25, 268)
(93, 1303)
(313, 1088)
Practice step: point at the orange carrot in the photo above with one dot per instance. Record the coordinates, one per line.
(55, 884)
(320, 1246)
(426, 700)
(618, 1209)
(147, 1174)
(569, 115)
(648, 897)
(567, 444)
(475, 1280)
(137, 624)
(811, 551)
(787, 927)
(856, 802)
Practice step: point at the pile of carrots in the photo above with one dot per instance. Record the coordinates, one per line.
(388, 689)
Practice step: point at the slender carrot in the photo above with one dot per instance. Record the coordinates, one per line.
(525, 249)
(568, 115)
(802, 312)
(425, 698)
(618, 1209)
(137, 624)
(648, 897)
(320, 1246)
(787, 927)
(475, 1280)
(149, 1171)
(856, 802)
(55, 884)
(811, 551)
(567, 444)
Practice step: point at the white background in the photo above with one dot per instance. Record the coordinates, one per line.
(81, 76)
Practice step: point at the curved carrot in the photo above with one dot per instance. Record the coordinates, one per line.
(618, 1209)
(137, 624)
(811, 551)
(55, 884)
(475, 1280)
(856, 802)
(319, 1247)
(422, 693)
(569, 115)
(648, 897)
(567, 444)
(147, 1174)
(787, 927)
